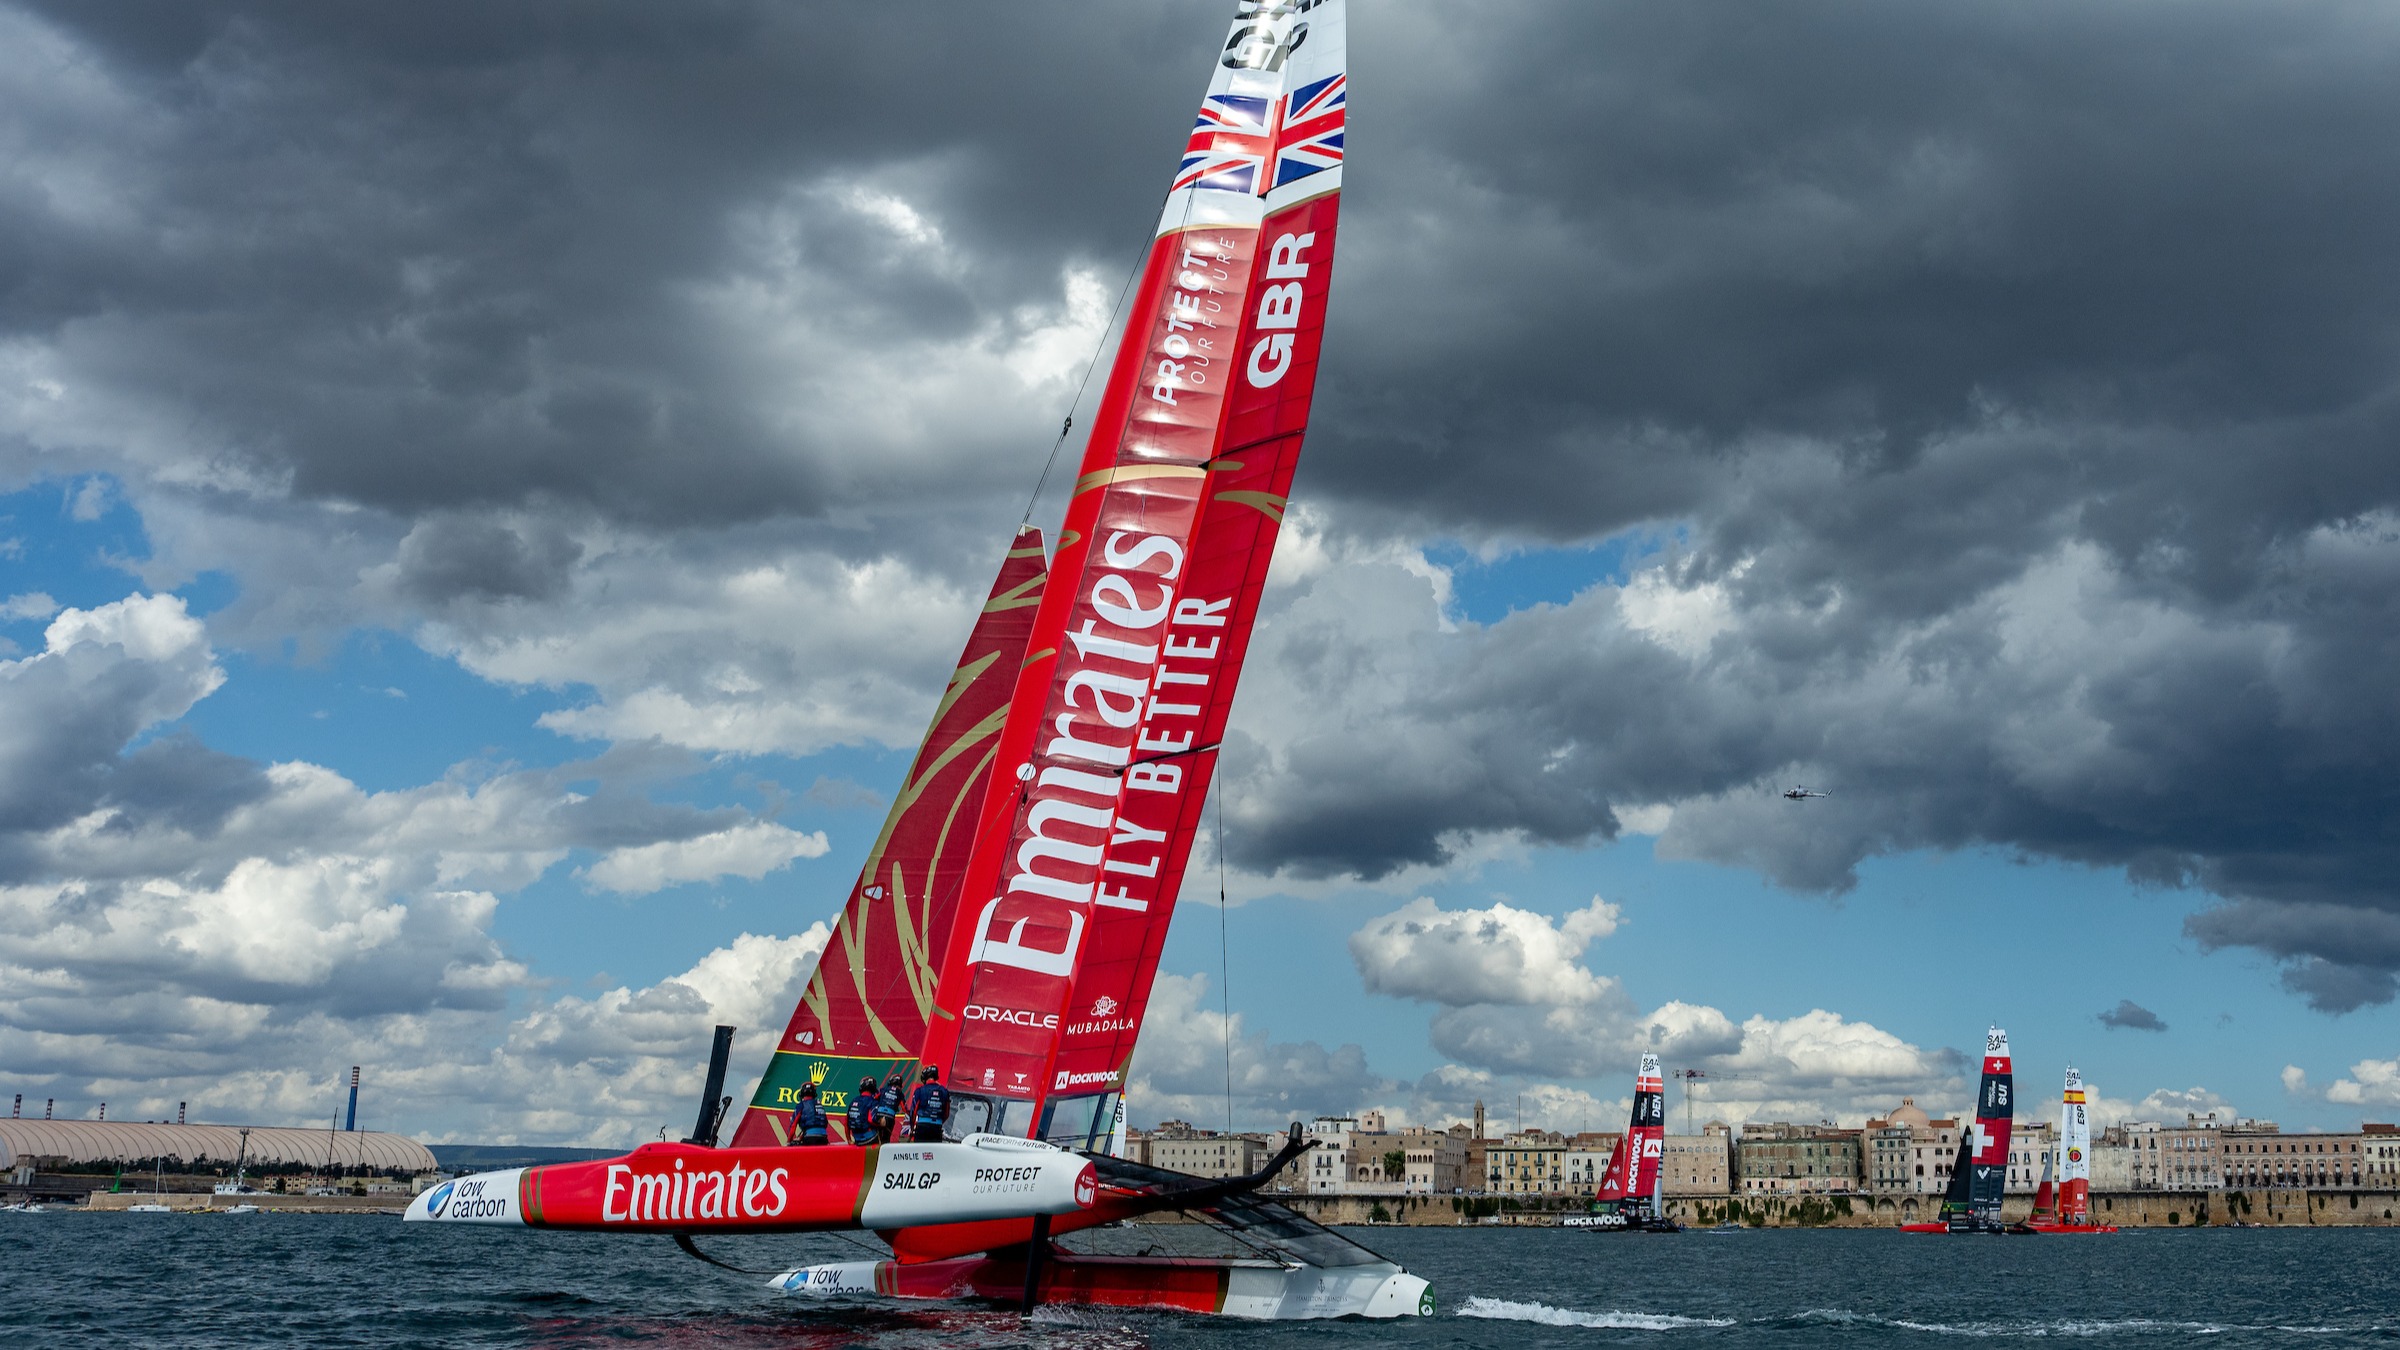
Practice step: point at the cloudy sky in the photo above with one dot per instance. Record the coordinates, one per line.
(489, 492)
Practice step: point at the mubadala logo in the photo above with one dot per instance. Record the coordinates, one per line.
(440, 1199)
(1104, 1006)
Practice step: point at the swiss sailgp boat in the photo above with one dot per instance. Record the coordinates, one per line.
(1632, 1193)
(2071, 1212)
(1006, 928)
(1979, 1175)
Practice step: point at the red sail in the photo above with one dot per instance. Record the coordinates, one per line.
(1613, 1181)
(1116, 719)
(866, 1007)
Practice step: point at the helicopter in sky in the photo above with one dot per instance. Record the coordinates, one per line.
(1800, 792)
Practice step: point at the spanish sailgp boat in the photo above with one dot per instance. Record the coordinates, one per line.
(2072, 1210)
(1979, 1175)
(1006, 928)
(1632, 1193)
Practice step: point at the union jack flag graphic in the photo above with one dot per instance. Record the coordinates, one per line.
(1253, 145)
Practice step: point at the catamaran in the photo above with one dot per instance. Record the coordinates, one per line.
(1006, 927)
(2070, 1211)
(1632, 1193)
(1979, 1175)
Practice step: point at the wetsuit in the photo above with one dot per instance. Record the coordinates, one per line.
(930, 1109)
(862, 1117)
(808, 1121)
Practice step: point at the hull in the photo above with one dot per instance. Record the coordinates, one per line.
(1937, 1227)
(1260, 1290)
(2039, 1229)
(684, 1188)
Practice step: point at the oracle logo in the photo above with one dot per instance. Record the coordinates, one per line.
(1015, 1017)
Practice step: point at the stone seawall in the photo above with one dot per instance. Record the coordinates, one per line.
(281, 1204)
(2125, 1209)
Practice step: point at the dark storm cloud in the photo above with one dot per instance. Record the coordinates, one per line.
(2131, 1016)
(2015, 382)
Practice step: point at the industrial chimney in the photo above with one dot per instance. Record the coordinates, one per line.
(352, 1122)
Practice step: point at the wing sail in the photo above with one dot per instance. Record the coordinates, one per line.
(1130, 678)
(865, 1008)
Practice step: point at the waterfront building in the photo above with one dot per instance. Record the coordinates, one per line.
(2029, 1143)
(1586, 1161)
(1529, 1162)
(1782, 1158)
(1205, 1153)
(2258, 1154)
(2143, 1155)
(62, 1145)
(1699, 1164)
(1436, 1160)
(2379, 1145)
(1909, 1152)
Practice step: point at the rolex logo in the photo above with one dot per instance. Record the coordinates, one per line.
(818, 1070)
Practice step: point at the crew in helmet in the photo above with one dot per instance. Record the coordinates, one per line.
(929, 1106)
(808, 1119)
(887, 1107)
(862, 1115)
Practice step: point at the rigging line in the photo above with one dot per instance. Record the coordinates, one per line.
(1068, 424)
(1224, 947)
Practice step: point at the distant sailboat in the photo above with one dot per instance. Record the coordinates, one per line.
(1632, 1192)
(1979, 1174)
(2073, 1202)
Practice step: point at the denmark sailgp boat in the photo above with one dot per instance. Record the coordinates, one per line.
(1979, 1175)
(2071, 1212)
(1632, 1194)
(1007, 925)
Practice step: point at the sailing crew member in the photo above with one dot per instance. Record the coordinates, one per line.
(808, 1119)
(929, 1106)
(862, 1115)
(887, 1106)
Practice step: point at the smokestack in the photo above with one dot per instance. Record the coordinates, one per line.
(352, 1122)
(179, 1112)
(18, 1109)
(47, 1103)
(104, 1110)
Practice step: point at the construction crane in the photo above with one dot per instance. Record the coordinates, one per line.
(1692, 1077)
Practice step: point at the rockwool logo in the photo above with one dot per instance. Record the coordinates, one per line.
(1067, 1080)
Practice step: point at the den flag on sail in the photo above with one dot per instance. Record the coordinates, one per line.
(1104, 765)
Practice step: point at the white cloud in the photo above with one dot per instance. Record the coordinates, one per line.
(750, 850)
(1497, 955)
(30, 605)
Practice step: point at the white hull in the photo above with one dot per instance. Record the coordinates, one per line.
(1256, 1290)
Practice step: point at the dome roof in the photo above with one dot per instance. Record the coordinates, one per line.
(1910, 1113)
(89, 1141)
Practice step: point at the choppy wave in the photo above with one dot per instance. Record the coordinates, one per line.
(1509, 1311)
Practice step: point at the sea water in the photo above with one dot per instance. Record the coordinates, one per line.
(215, 1280)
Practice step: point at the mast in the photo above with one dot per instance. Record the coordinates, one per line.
(2074, 1154)
(1994, 1112)
(866, 1004)
(1112, 735)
